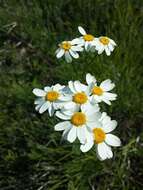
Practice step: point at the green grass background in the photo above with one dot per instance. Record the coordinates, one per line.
(32, 155)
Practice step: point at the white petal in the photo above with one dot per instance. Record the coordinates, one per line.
(71, 86)
(90, 109)
(58, 87)
(68, 57)
(74, 54)
(95, 42)
(39, 92)
(76, 48)
(110, 126)
(39, 101)
(57, 50)
(111, 47)
(86, 147)
(113, 42)
(67, 112)
(47, 88)
(79, 86)
(104, 151)
(66, 91)
(51, 110)
(62, 116)
(58, 105)
(108, 53)
(65, 98)
(90, 78)
(65, 132)
(37, 107)
(62, 126)
(60, 53)
(99, 45)
(110, 96)
(75, 41)
(87, 46)
(72, 135)
(112, 140)
(81, 30)
(107, 85)
(96, 99)
(70, 105)
(104, 117)
(105, 99)
(44, 107)
(100, 49)
(81, 134)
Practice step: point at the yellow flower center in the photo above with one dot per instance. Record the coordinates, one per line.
(52, 96)
(65, 45)
(80, 98)
(97, 90)
(78, 119)
(99, 135)
(88, 37)
(104, 40)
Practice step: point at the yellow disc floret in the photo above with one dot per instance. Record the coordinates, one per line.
(88, 37)
(104, 40)
(80, 98)
(97, 90)
(99, 135)
(78, 119)
(52, 96)
(65, 45)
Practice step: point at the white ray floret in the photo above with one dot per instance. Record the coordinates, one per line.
(101, 138)
(79, 97)
(100, 93)
(77, 124)
(51, 98)
(87, 40)
(69, 49)
(106, 44)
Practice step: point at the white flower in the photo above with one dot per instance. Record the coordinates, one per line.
(101, 137)
(79, 97)
(69, 49)
(51, 99)
(105, 43)
(101, 93)
(87, 40)
(76, 124)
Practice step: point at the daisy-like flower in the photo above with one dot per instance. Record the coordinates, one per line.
(105, 43)
(79, 97)
(101, 138)
(51, 98)
(101, 93)
(76, 124)
(87, 40)
(69, 49)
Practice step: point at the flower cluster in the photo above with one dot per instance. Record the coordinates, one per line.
(77, 105)
(86, 42)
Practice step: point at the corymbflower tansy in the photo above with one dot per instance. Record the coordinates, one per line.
(69, 49)
(106, 44)
(76, 124)
(80, 96)
(77, 105)
(51, 98)
(102, 92)
(87, 40)
(100, 137)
